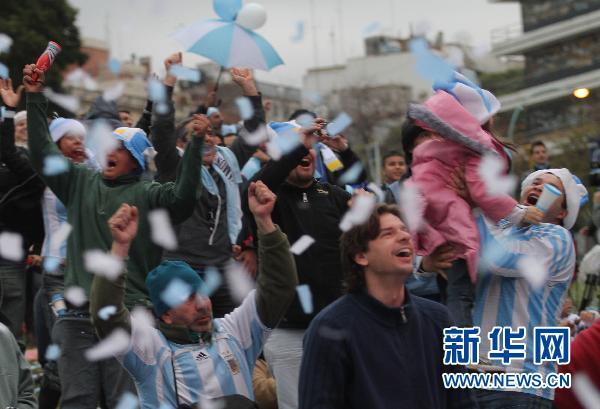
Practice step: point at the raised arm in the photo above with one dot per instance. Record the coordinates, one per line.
(179, 198)
(123, 228)
(277, 278)
(163, 129)
(40, 143)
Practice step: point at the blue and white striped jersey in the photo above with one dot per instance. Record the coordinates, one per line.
(203, 371)
(54, 214)
(505, 298)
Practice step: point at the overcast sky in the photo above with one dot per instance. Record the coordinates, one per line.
(144, 27)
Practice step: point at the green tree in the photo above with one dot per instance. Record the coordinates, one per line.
(31, 24)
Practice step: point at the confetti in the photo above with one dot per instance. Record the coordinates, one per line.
(176, 293)
(283, 143)
(127, 401)
(69, 102)
(75, 295)
(585, 391)
(305, 120)
(3, 71)
(114, 66)
(341, 122)
(360, 210)
(239, 281)
(371, 28)
(116, 343)
(491, 170)
(52, 352)
(378, 192)
(302, 244)
(412, 206)
(156, 90)
(211, 281)
(103, 264)
(11, 246)
(351, 175)
(162, 230)
(245, 107)
(428, 64)
(80, 78)
(101, 141)
(106, 312)
(55, 165)
(5, 43)
(533, 270)
(251, 168)
(143, 322)
(260, 135)
(306, 299)
(51, 264)
(113, 93)
(299, 33)
(185, 73)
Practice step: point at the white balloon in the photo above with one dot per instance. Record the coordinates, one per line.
(252, 16)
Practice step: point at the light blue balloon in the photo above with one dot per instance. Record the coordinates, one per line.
(227, 9)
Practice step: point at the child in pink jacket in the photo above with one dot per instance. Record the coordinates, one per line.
(444, 134)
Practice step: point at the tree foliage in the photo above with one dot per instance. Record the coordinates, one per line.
(31, 24)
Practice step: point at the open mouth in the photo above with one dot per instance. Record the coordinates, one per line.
(532, 199)
(305, 162)
(403, 253)
(111, 164)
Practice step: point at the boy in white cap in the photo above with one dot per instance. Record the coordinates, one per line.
(510, 292)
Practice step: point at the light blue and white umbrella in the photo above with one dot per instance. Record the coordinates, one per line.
(228, 44)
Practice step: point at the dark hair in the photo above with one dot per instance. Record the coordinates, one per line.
(389, 154)
(301, 111)
(410, 132)
(356, 240)
(489, 129)
(536, 143)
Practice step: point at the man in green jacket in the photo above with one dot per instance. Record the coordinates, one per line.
(192, 357)
(91, 198)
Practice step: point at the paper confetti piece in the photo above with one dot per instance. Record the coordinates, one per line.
(257, 137)
(245, 107)
(429, 65)
(298, 33)
(411, 204)
(359, 212)
(162, 230)
(75, 295)
(156, 90)
(116, 343)
(283, 143)
(585, 391)
(114, 66)
(341, 122)
(251, 168)
(238, 280)
(127, 401)
(306, 299)
(185, 73)
(69, 102)
(11, 246)
(51, 264)
(302, 244)
(305, 120)
(211, 281)
(4, 71)
(106, 312)
(533, 270)
(101, 141)
(52, 352)
(113, 93)
(371, 28)
(378, 192)
(497, 183)
(79, 78)
(55, 165)
(5, 43)
(103, 264)
(176, 293)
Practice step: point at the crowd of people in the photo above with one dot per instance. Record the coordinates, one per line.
(291, 280)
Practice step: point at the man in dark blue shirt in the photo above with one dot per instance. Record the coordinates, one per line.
(378, 347)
